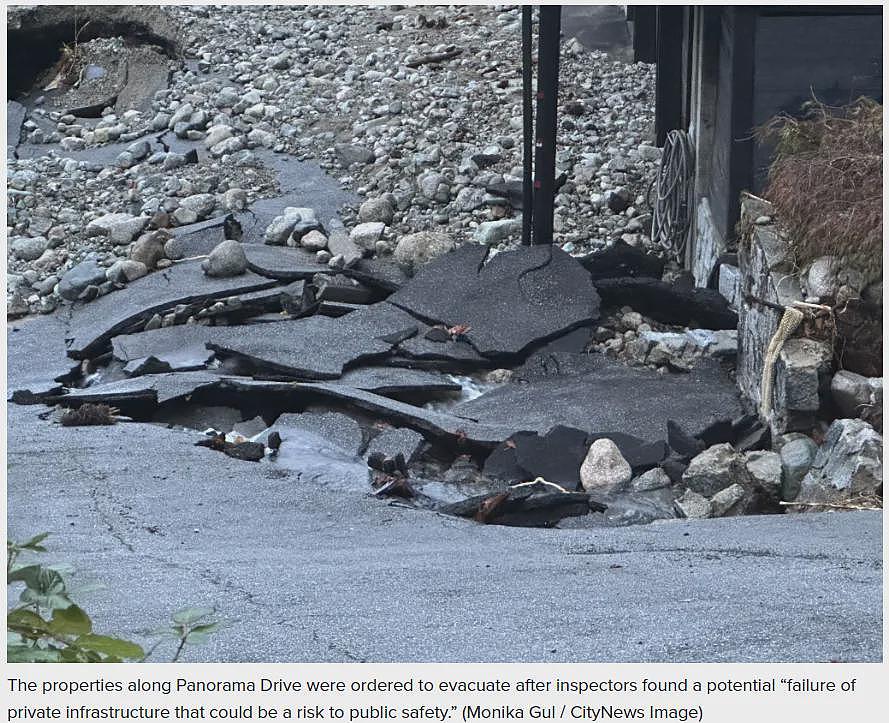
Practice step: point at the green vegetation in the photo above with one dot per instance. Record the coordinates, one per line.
(47, 627)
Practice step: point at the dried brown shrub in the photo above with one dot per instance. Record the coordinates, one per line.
(826, 183)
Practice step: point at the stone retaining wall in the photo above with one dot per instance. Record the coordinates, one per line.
(802, 371)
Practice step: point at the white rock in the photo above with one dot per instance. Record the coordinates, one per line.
(367, 234)
(417, 249)
(604, 469)
(314, 241)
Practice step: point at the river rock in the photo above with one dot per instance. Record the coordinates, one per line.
(149, 248)
(366, 235)
(294, 221)
(121, 228)
(227, 259)
(349, 153)
(76, 279)
(492, 232)
(28, 249)
(797, 455)
(604, 469)
(126, 270)
(314, 241)
(201, 203)
(376, 209)
(416, 249)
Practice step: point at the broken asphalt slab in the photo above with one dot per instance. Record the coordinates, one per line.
(286, 264)
(184, 346)
(92, 325)
(611, 397)
(512, 301)
(157, 389)
(152, 388)
(191, 529)
(37, 358)
(316, 347)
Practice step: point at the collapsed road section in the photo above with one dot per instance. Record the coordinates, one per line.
(474, 388)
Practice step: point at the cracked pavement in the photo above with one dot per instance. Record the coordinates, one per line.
(305, 575)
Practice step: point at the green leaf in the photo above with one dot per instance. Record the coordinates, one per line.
(26, 621)
(63, 568)
(71, 621)
(34, 543)
(206, 628)
(110, 646)
(46, 589)
(27, 654)
(186, 616)
(197, 638)
(26, 574)
(74, 655)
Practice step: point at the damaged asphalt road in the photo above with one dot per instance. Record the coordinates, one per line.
(307, 576)
(306, 563)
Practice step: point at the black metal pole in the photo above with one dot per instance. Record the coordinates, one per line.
(527, 127)
(547, 97)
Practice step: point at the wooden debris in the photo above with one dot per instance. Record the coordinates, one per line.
(450, 53)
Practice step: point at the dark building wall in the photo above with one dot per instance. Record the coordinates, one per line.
(837, 57)
(731, 152)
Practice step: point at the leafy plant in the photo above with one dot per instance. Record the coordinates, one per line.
(190, 626)
(47, 627)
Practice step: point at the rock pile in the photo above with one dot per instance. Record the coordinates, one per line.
(422, 121)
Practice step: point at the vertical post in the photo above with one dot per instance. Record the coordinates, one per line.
(527, 128)
(547, 97)
(668, 84)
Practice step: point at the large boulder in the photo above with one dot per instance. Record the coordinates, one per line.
(416, 249)
(848, 465)
(376, 209)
